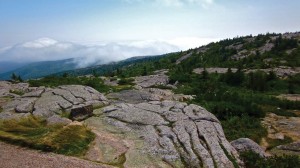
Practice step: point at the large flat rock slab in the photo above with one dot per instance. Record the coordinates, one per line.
(171, 132)
(48, 102)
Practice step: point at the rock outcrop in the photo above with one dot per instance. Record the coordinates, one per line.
(134, 133)
(160, 78)
(180, 135)
(51, 102)
(246, 144)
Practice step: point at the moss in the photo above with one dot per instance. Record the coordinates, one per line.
(17, 92)
(35, 133)
(65, 114)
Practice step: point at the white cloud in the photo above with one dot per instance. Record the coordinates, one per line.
(203, 3)
(46, 49)
(40, 43)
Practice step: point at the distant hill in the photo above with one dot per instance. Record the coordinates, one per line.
(40, 69)
(9, 66)
(109, 68)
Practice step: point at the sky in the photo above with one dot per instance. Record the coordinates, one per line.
(141, 25)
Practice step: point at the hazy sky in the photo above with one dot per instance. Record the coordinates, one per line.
(180, 23)
(92, 21)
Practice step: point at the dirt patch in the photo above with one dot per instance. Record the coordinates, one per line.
(12, 156)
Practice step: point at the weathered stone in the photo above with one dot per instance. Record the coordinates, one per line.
(135, 115)
(81, 113)
(50, 104)
(26, 105)
(295, 146)
(182, 135)
(246, 144)
(35, 93)
(55, 119)
(152, 80)
(213, 70)
(67, 95)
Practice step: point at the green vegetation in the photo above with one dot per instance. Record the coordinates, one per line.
(238, 99)
(16, 78)
(33, 132)
(276, 142)
(253, 160)
(94, 82)
(17, 92)
(237, 127)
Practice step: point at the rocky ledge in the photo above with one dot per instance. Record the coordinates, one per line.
(177, 134)
(147, 133)
(51, 103)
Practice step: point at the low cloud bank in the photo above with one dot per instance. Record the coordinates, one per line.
(46, 49)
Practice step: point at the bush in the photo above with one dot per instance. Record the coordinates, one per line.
(54, 81)
(253, 160)
(243, 127)
(126, 81)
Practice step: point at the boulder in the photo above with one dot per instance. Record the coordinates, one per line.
(81, 112)
(246, 144)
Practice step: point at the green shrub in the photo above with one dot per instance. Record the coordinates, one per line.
(54, 81)
(253, 160)
(126, 81)
(243, 127)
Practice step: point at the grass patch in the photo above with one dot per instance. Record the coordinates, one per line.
(17, 92)
(65, 114)
(34, 133)
(276, 142)
(1, 109)
(253, 160)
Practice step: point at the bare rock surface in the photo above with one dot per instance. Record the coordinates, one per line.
(214, 70)
(184, 58)
(147, 94)
(277, 125)
(281, 71)
(160, 78)
(49, 103)
(172, 133)
(144, 128)
(292, 148)
(246, 144)
(6, 88)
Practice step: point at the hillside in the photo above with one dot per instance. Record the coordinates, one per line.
(40, 69)
(233, 103)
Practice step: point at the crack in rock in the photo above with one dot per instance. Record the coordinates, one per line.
(181, 134)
